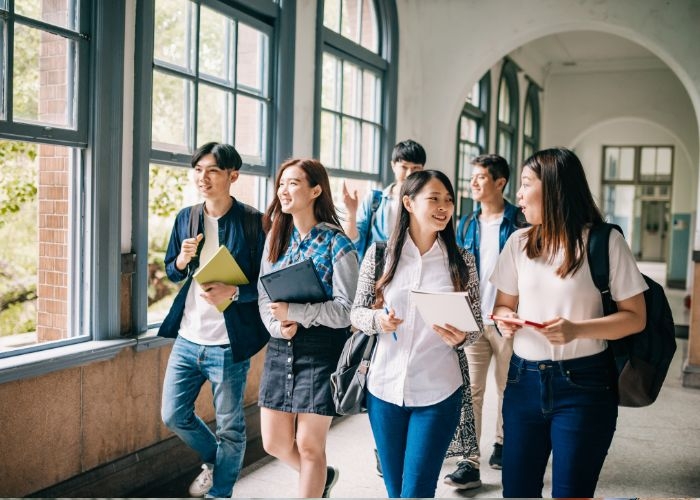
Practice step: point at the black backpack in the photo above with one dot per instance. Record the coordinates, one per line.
(643, 358)
(349, 380)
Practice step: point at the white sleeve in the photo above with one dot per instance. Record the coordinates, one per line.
(625, 279)
(505, 275)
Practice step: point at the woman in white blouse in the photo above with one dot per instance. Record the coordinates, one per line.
(416, 383)
(560, 397)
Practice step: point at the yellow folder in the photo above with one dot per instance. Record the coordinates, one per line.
(221, 267)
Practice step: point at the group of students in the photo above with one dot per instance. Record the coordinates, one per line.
(426, 382)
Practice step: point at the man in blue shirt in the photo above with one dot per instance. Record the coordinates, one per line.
(375, 219)
(484, 233)
(212, 345)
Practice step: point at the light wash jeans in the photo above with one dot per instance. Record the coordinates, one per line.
(189, 366)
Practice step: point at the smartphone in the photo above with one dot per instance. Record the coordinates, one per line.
(516, 321)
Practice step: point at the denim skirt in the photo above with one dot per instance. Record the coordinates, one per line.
(296, 374)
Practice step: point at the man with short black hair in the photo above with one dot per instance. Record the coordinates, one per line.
(212, 345)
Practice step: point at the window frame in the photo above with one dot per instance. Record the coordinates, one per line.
(279, 16)
(383, 63)
(532, 99)
(509, 77)
(481, 114)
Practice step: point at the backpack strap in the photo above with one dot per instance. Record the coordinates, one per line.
(463, 226)
(373, 207)
(599, 262)
(195, 215)
(252, 227)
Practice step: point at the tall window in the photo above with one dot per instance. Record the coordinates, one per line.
(531, 122)
(507, 123)
(637, 183)
(43, 133)
(354, 78)
(471, 139)
(211, 81)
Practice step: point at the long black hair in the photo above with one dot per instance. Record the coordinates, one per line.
(413, 184)
(567, 207)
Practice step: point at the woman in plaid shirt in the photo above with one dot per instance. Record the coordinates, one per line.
(307, 339)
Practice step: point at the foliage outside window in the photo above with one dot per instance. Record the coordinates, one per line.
(43, 94)
(471, 139)
(211, 82)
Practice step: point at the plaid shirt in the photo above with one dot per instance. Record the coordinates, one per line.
(325, 244)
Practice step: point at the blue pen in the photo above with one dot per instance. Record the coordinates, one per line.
(386, 310)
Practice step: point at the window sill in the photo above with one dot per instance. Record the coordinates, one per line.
(40, 363)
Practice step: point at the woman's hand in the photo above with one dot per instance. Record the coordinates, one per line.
(506, 328)
(279, 310)
(559, 331)
(288, 329)
(388, 321)
(450, 335)
(216, 292)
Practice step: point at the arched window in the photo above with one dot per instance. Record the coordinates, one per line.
(531, 121)
(355, 108)
(472, 131)
(507, 123)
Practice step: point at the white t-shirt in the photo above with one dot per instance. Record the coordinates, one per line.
(202, 323)
(488, 257)
(543, 295)
(418, 369)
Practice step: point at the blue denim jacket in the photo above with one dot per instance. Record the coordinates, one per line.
(381, 227)
(468, 235)
(246, 332)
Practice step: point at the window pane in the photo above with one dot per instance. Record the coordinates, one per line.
(618, 208)
(647, 167)
(664, 163)
(43, 76)
(172, 104)
(350, 142)
(174, 33)
(250, 129)
(370, 148)
(330, 97)
(505, 146)
(331, 15)
(361, 186)
(330, 132)
(527, 120)
(352, 97)
(36, 215)
(468, 129)
(504, 102)
(350, 20)
(216, 35)
(215, 117)
(474, 97)
(369, 38)
(619, 164)
(252, 59)
(370, 96)
(171, 189)
(57, 12)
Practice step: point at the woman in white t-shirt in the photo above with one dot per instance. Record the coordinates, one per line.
(561, 394)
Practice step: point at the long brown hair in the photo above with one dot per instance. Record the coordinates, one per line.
(567, 208)
(413, 184)
(279, 225)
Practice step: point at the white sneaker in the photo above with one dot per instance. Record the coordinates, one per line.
(202, 483)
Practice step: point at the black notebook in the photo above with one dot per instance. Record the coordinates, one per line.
(297, 284)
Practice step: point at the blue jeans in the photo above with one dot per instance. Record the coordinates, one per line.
(566, 408)
(412, 442)
(189, 366)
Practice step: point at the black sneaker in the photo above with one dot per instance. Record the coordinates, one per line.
(496, 460)
(332, 475)
(380, 472)
(466, 477)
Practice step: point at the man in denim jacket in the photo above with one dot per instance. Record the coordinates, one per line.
(377, 215)
(484, 233)
(212, 345)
